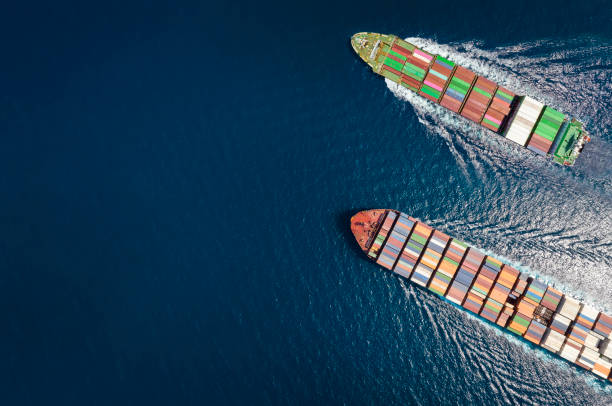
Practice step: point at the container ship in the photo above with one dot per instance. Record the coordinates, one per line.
(521, 119)
(487, 287)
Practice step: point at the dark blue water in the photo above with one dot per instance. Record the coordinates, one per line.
(178, 181)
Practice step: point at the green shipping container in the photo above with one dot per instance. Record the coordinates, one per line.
(394, 64)
(430, 91)
(400, 56)
(390, 75)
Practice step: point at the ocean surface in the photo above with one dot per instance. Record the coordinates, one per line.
(178, 180)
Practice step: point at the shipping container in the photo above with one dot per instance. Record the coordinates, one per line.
(553, 340)
(448, 266)
(570, 350)
(535, 332)
(412, 250)
(546, 130)
(569, 307)
(560, 323)
(587, 316)
(437, 78)
(603, 325)
(602, 368)
(551, 298)
(478, 99)
(536, 291)
(519, 324)
(458, 88)
(508, 276)
(524, 120)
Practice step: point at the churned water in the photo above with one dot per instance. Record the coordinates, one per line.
(178, 182)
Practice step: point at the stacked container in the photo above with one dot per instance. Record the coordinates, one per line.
(570, 350)
(519, 324)
(415, 69)
(465, 276)
(569, 308)
(493, 304)
(430, 259)
(457, 89)
(524, 120)
(603, 325)
(478, 100)
(482, 286)
(448, 267)
(560, 323)
(535, 292)
(382, 234)
(412, 250)
(437, 78)
(546, 130)
(551, 299)
(553, 341)
(395, 242)
(535, 332)
(498, 109)
(392, 67)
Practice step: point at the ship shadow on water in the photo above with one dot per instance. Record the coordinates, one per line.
(343, 226)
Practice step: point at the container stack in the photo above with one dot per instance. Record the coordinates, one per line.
(448, 267)
(457, 89)
(415, 69)
(553, 340)
(437, 78)
(551, 299)
(382, 234)
(392, 66)
(483, 283)
(501, 292)
(546, 130)
(478, 100)
(395, 242)
(603, 325)
(535, 292)
(498, 110)
(570, 350)
(492, 305)
(524, 120)
(519, 324)
(464, 277)
(412, 250)
(560, 323)
(430, 259)
(535, 332)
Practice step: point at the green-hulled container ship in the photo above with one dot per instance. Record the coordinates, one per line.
(521, 119)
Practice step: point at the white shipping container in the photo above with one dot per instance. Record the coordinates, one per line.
(591, 341)
(589, 312)
(569, 307)
(553, 340)
(569, 353)
(524, 120)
